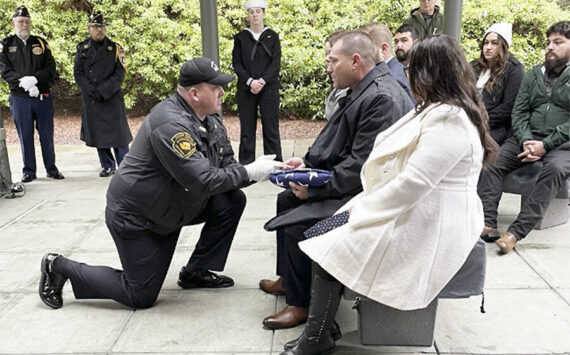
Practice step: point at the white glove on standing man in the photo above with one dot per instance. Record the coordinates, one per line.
(34, 91)
(27, 82)
(260, 169)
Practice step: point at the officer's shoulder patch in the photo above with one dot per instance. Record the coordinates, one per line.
(120, 55)
(183, 144)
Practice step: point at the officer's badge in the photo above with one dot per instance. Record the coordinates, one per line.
(37, 50)
(85, 46)
(109, 48)
(183, 144)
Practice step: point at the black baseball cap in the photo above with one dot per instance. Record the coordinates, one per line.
(202, 70)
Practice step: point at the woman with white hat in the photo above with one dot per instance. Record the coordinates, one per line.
(499, 76)
(256, 59)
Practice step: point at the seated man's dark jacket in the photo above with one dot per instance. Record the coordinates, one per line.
(174, 165)
(539, 116)
(345, 142)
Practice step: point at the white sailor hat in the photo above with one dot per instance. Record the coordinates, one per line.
(255, 3)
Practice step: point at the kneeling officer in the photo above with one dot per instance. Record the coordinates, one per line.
(180, 171)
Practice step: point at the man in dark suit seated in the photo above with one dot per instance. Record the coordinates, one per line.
(373, 103)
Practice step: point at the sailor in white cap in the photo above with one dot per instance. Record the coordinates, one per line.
(499, 76)
(256, 59)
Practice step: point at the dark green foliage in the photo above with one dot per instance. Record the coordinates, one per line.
(159, 35)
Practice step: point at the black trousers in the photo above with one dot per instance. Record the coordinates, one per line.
(268, 103)
(292, 264)
(145, 255)
(555, 169)
(30, 112)
(106, 156)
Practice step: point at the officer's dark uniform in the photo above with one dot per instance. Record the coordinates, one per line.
(99, 71)
(254, 59)
(32, 58)
(179, 171)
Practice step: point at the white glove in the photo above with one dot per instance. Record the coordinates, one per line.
(27, 82)
(34, 91)
(260, 169)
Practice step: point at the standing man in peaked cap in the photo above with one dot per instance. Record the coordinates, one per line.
(99, 71)
(180, 171)
(28, 67)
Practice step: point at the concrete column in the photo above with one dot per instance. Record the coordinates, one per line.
(209, 21)
(5, 173)
(452, 18)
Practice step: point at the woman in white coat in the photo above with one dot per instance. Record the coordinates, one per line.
(402, 239)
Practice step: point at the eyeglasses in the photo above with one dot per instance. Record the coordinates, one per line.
(98, 27)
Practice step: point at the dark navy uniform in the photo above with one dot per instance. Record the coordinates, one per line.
(179, 171)
(32, 58)
(99, 71)
(255, 59)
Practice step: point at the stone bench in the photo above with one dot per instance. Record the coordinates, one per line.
(379, 324)
(522, 180)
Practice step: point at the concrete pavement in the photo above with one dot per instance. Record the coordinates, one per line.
(527, 291)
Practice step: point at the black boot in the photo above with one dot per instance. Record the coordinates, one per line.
(51, 282)
(336, 334)
(316, 338)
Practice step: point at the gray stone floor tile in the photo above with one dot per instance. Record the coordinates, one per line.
(250, 234)
(201, 321)
(566, 294)
(31, 327)
(552, 262)
(554, 236)
(7, 301)
(516, 322)
(20, 271)
(501, 271)
(11, 209)
(68, 211)
(260, 207)
(42, 236)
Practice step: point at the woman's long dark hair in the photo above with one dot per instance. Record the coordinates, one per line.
(439, 73)
(497, 67)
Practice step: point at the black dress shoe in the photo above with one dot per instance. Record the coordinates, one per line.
(105, 172)
(56, 176)
(28, 177)
(203, 279)
(51, 283)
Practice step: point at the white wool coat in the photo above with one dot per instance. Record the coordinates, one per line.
(419, 214)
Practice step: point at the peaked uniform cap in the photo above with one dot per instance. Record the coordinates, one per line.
(21, 11)
(96, 18)
(255, 3)
(503, 29)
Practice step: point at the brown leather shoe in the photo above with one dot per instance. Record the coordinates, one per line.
(507, 242)
(288, 317)
(272, 287)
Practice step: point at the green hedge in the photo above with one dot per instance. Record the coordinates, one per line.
(159, 35)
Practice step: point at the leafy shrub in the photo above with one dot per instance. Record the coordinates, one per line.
(159, 35)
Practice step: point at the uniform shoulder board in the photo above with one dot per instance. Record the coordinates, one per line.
(120, 55)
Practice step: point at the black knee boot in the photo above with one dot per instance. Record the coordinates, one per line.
(316, 338)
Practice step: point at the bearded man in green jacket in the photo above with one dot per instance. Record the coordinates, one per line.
(540, 129)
